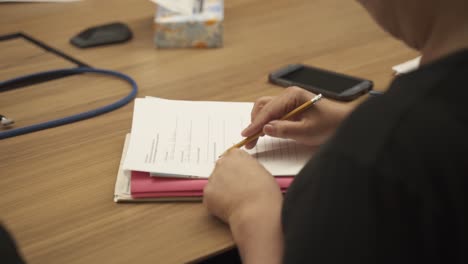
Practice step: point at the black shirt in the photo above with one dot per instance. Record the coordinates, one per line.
(8, 251)
(391, 185)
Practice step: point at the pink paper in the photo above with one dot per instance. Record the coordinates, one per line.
(145, 186)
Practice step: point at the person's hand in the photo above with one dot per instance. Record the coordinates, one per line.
(313, 127)
(240, 186)
(243, 194)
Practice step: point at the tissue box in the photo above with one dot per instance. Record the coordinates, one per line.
(201, 29)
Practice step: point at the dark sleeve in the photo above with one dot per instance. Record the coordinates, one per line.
(329, 213)
(405, 205)
(8, 251)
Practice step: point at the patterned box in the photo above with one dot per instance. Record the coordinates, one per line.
(201, 29)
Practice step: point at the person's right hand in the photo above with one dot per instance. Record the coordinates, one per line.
(313, 127)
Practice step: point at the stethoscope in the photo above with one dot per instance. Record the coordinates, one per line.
(8, 123)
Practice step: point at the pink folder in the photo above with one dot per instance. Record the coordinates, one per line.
(145, 186)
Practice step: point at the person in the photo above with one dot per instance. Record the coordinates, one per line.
(389, 183)
(8, 250)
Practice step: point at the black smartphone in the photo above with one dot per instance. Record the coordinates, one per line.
(330, 84)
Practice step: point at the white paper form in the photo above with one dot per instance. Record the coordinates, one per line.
(185, 138)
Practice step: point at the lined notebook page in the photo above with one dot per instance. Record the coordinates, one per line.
(185, 138)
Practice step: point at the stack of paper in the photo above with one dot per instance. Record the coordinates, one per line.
(407, 66)
(174, 145)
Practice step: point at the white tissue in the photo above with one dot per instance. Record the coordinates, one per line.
(184, 7)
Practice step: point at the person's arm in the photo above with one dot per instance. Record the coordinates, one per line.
(243, 194)
(258, 233)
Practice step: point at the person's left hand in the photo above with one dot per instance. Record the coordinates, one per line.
(246, 196)
(241, 189)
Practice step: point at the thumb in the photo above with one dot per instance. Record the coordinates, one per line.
(285, 129)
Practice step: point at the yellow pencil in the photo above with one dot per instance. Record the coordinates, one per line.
(294, 112)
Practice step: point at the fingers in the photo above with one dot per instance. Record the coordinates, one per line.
(286, 129)
(268, 112)
(267, 109)
(259, 104)
(251, 144)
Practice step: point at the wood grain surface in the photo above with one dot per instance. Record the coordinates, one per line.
(56, 185)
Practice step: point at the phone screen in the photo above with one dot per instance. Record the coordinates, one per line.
(322, 79)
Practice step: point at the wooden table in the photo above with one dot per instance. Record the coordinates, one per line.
(57, 184)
